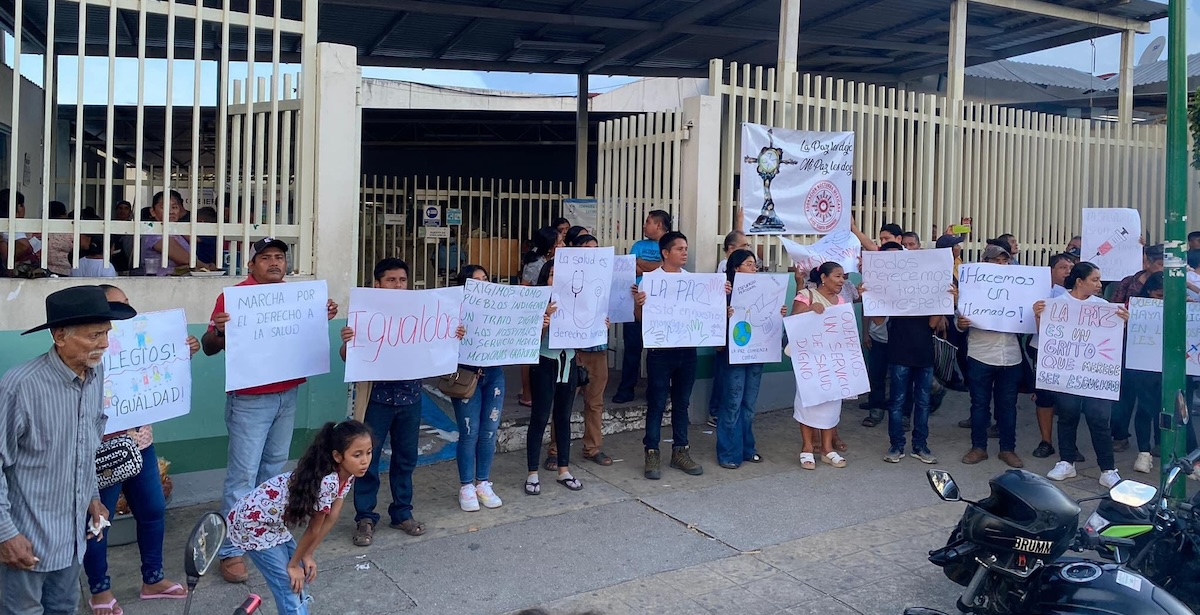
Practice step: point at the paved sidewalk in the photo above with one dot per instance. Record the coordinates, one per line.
(765, 538)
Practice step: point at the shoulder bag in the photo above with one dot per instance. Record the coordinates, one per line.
(117, 460)
(461, 383)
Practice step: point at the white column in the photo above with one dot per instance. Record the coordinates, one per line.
(1125, 90)
(581, 138)
(955, 70)
(789, 36)
(338, 139)
(699, 190)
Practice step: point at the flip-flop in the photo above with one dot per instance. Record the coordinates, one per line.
(533, 488)
(522, 402)
(756, 458)
(551, 464)
(166, 594)
(111, 606)
(570, 482)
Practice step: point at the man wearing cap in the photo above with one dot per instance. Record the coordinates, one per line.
(51, 420)
(259, 420)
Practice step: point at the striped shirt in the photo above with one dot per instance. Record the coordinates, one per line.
(50, 426)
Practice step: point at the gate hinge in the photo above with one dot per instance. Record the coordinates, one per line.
(687, 130)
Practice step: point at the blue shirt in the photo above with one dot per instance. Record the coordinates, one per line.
(646, 250)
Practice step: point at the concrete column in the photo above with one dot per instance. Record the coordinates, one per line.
(581, 137)
(956, 68)
(1125, 89)
(699, 190)
(338, 146)
(789, 36)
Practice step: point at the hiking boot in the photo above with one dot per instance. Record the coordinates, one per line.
(233, 570)
(653, 472)
(1043, 450)
(1011, 458)
(974, 456)
(681, 459)
(364, 533)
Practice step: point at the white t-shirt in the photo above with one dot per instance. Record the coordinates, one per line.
(93, 268)
(721, 265)
(1193, 278)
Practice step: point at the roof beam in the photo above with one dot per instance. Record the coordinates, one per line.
(684, 18)
(1093, 18)
(487, 12)
(386, 33)
(529, 67)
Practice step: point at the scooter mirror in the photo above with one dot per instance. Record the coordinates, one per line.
(202, 546)
(1132, 493)
(943, 485)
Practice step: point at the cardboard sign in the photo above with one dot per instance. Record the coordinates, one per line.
(1080, 348)
(147, 370)
(582, 283)
(620, 297)
(275, 333)
(908, 283)
(756, 327)
(402, 334)
(841, 247)
(1143, 348)
(794, 181)
(683, 310)
(1001, 297)
(827, 355)
(1111, 241)
(503, 323)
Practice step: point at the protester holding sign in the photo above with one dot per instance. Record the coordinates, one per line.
(1060, 268)
(657, 224)
(259, 419)
(1131, 286)
(389, 407)
(545, 241)
(1083, 284)
(478, 420)
(820, 421)
(993, 373)
(1146, 387)
(144, 495)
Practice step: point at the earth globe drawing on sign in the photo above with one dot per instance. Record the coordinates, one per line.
(741, 333)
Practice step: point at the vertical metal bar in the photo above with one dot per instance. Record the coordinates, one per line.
(79, 166)
(49, 115)
(14, 162)
(168, 133)
(197, 54)
(223, 140)
(108, 132)
(273, 141)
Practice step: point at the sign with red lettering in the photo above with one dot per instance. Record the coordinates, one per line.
(402, 334)
(276, 333)
(827, 356)
(908, 283)
(1080, 348)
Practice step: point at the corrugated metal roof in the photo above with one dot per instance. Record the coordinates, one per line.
(1040, 74)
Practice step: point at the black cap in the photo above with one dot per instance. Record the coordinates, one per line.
(81, 305)
(264, 243)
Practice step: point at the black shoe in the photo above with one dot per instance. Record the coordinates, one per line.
(993, 432)
(866, 405)
(712, 422)
(965, 423)
(1043, 450)
(622, 398)
(1079, 458)
(1120, 446)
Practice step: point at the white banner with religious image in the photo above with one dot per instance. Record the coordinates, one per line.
(147, 370)
(795, 182)
(275, 333)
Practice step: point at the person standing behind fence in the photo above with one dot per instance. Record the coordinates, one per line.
(545, 241)
(1082, 284)
(649, 258)
(259, 420)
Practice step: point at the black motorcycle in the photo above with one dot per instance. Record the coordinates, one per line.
(1166, 536)
(1008, 551)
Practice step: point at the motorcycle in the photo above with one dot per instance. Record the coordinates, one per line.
(1008, 552)
(1166, 537)
(199, 554)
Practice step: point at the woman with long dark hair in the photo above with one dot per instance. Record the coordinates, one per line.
(545, 241)
(819, 421)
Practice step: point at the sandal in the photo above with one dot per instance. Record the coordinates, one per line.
(522, 402)
(532, 488)
(833, 459)
(570, 482)
(169, 593)
(600, 458)
(410, 527)
(871, 421)
(839, 445)
(755, 459)
(111, 606)
(551, 464)
(807, 461)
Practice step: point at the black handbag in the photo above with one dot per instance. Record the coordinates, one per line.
(117, 460)
(582, 377)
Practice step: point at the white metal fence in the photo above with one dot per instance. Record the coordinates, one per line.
(258, 169)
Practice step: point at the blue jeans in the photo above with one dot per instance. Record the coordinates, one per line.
(670, 372)
(631, 362)
(145, 497)
(877, 370)
(403, 423)
(25, 592)
(260, 438)
(993, 388)
(735, 424)
(921, 381)
(720, 386)
(478, 419)
(272, 563)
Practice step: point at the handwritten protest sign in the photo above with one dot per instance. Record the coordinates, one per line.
(147, 370)
(683, 310)
(1001, 297)
(620, 299)
(756, 327)
(841, 247)
(275, 333)
(1079, 348)
(795, 181)
(503, 323)
(1111, 241)
(582, 284)
(402, 334)
(1143, 348)
(908, 283)
(827, 355)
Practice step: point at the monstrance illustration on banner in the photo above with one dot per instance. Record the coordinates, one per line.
(803, 180)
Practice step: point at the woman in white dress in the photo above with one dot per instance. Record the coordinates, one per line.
(820, 421)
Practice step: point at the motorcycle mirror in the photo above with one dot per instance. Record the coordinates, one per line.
(1132, 493)
(943, 485)
(1181, 408)
(1172, 476)
(201, 549)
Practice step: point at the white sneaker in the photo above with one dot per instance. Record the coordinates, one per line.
(1109, 479)
(486, 496)
(467, 499)
(1061, 471)
(1143, 463)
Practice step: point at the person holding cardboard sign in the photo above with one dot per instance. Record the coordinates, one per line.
(820, 421)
